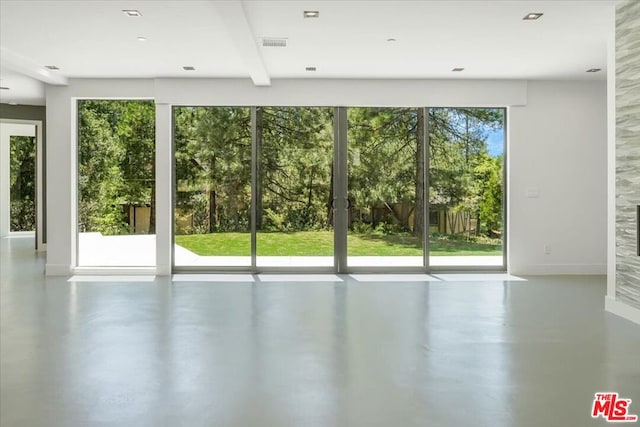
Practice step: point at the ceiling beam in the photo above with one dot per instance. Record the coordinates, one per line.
(27, 67)
(235, 19)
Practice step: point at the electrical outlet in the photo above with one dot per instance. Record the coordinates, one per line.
(547, 249)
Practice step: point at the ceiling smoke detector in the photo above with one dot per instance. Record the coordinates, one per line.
(311, 14)
(131, 12)
(189, 68)
(274, 42)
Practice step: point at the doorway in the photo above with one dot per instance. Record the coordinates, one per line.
(21, 180)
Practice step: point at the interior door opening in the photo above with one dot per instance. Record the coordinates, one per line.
(21, 193)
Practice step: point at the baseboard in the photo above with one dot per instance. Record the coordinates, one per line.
(559, 269)
(163, 270)
(621, 309)
(114, 271)
(57, 270)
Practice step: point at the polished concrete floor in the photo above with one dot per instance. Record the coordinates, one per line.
(322, 351)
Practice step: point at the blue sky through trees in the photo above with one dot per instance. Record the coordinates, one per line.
(495, 142)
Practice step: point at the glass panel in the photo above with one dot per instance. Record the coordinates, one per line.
(295, 219)
(116, 183)
(385, 187)
(22, 185)
(466, 156)
(213, 186)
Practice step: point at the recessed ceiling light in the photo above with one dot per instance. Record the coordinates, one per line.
(189, 68)
(310, 68)
(51, 67)
(458, 69)
(594, 70)
(131, 12)
(4, 88)
(532, 16)
(311, 14)
(391, 40)
(141, 39)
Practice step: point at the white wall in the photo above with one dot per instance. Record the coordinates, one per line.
(339, 93)
(7, 130)
(558, 147)
(557, 144)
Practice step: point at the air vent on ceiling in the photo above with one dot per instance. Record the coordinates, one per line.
(274, 42)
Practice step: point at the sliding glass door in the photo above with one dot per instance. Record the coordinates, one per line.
(385, 187)
(338, 189)
(466, 187)
(212, 187)
(294, 216)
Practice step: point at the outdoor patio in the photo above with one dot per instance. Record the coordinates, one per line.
(96, 250)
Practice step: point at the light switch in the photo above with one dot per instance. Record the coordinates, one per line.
(533, 193)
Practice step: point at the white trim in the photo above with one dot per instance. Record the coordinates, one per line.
(340, 92)
(163, 270)
(621, 309)
(79, 271)
(73, 152)
(164, 188)
(560, 269)
(57, 270)
(40, 245)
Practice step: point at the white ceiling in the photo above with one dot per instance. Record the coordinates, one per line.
(349, 40)
(22, 89)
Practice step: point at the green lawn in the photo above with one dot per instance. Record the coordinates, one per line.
(320, 243)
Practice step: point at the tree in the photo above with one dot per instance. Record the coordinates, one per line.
(22, 155)
(382, 150)
(99, 174)
(213, 162)
(296, 147)
(116, 162)
(136, 134)
(457, 145)
(489, 172)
